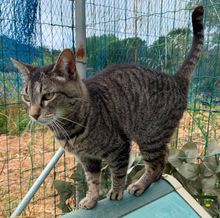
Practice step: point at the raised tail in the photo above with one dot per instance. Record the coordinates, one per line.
(192, 59)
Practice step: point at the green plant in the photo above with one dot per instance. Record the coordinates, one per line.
(200, 175)
(65, 191)
(13, 120)
(206, 122)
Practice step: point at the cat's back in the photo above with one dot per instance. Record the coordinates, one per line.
(133, 87)
(131, 78)
(124, 74)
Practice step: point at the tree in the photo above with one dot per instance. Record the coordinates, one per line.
(97, 48)
(106, 50)
(168, 50)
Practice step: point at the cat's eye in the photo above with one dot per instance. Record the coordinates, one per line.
(48, 96)
(27, 98)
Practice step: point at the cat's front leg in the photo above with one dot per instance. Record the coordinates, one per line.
(92, 168)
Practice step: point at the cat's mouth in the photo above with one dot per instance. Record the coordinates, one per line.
(42, 121)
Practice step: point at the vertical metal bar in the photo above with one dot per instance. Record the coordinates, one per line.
(135, 29)
(38, 183)
(80, 38)
(80, 23)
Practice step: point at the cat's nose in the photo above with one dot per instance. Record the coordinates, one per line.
(35, 112)
(35, 116)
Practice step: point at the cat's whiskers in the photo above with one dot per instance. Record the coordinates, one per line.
(55, 128)
(64, 118)
(22, 120)
(31, 126)
(28, 125)
(59, 128)
(60, 122)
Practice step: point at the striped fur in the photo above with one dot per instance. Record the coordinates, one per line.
(98, 118)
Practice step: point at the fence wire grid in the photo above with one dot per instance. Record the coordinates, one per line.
(153, 33)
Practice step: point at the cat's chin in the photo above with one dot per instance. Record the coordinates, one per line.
(42, 122)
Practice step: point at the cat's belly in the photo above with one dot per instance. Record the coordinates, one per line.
(80, 149)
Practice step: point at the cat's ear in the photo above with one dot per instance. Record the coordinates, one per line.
(66, 66)
(26, 69)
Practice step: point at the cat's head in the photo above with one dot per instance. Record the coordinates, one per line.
(53, 91)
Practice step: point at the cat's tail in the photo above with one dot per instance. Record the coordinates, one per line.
(189, 64)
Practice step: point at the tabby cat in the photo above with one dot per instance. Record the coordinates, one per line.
(99, 117)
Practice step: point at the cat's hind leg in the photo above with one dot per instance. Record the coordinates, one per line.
(155, 157)
(118, 163)
(92, 168)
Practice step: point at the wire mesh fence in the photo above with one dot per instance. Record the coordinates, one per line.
(153, 33)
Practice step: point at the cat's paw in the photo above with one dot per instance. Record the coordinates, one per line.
(87, 203)
(136, 189)
(115, 194)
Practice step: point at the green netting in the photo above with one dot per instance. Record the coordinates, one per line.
(154, 33)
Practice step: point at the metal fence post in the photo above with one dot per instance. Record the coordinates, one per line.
(80, 21)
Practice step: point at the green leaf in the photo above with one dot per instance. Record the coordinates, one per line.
(211, 161)
(202, 197)
(213, 148)
(81, 188)
(135, 169)
(65, 190)
(62, 205)
(189, 171)
(216, 210)
(208, 184)
(173, 157)
(64, 196)
(191, 186)
(131, 173)
(138, 174)
(217, 169)
(203, 171)
(213, 209)
(168, 168)
(79, 168)
(62, 186)
(190, 150)
(216, 192)
(210, 167)
(76, 177)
